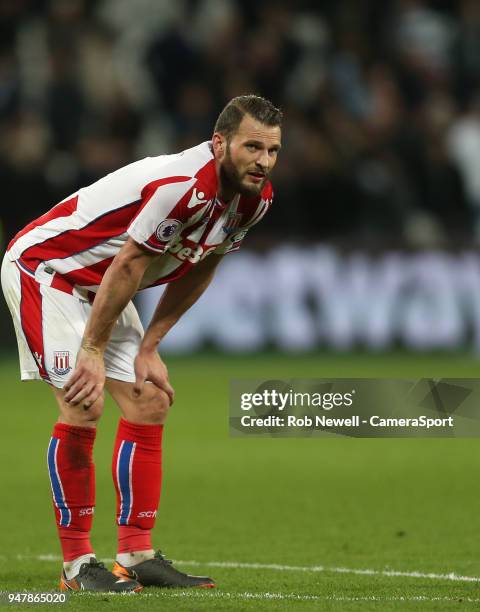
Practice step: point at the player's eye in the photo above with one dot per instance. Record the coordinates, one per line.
(252, 147)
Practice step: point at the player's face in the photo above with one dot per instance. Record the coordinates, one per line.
(250, 156)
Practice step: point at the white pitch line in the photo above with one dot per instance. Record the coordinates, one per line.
(297, 568)
(334, 570)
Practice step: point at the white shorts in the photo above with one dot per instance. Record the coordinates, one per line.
(49, 326)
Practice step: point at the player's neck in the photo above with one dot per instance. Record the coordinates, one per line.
(225, 187)
(224, 200)
(225, 193)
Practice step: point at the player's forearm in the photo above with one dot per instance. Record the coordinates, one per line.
(178, 297)
(119, 285)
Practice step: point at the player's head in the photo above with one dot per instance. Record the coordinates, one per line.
(246, 141)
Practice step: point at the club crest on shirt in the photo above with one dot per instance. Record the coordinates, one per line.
(232, 222)
(61, 362)
(167, 229)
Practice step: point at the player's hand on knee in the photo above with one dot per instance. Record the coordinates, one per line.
(149, 366)
(87, 380)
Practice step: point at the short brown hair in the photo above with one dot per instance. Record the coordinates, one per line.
(257, 107)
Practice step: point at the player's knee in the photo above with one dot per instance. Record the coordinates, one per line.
(81, 416)
(94, 412)
(153, 406)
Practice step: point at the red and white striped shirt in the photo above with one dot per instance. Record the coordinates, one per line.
(168, 204)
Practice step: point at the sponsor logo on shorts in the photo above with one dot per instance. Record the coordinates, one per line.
(147, 514)
(61, 362)
(167, 229)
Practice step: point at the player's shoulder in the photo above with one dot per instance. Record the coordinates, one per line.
(253, 208)
(267, 192)
(266, 195)
(195, 166)
(248, 203)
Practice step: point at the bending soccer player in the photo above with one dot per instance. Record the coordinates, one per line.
(69, 277)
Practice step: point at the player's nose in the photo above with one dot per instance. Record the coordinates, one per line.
(263, 161)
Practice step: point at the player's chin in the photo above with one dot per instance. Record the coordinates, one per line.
(251, 186)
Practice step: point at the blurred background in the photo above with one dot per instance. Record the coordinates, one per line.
(372, 239)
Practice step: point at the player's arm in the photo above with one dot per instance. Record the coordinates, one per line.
(177, 298)
(118, 286)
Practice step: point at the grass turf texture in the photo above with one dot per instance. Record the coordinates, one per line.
(401, 504)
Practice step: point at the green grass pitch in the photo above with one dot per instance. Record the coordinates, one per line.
(340, 513)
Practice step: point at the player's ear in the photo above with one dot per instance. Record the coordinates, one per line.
(219, 143)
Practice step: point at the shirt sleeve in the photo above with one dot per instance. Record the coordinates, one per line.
(235, 240)
(162, 214)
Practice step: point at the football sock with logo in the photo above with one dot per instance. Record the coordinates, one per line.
(137, 475)
(72, 477)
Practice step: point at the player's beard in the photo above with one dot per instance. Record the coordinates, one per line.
(232, 179)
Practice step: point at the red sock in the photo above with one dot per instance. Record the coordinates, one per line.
(72, 477)
(137, 474)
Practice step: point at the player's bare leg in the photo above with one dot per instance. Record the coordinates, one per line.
(137, 474)
(77, 415)
(72, 476)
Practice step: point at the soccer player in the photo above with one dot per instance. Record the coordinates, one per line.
(68, 279)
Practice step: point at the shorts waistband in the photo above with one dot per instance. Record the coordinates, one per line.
(57, 280)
